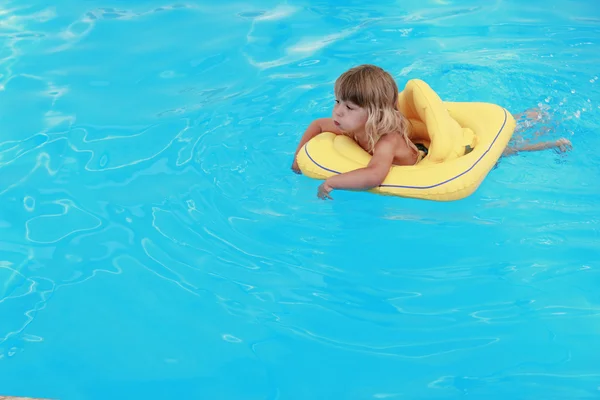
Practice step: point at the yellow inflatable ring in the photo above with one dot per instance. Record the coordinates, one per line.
(465, 140)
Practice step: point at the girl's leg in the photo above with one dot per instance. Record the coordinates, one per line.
(528, 119)
(561, 145)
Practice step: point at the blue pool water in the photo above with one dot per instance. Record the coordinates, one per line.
(155, 244)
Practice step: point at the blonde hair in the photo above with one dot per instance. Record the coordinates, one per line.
(370, 87)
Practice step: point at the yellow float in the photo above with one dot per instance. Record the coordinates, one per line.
(465, 140)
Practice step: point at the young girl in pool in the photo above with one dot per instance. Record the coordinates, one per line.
(366, 110)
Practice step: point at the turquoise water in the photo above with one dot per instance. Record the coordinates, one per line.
(154, 242)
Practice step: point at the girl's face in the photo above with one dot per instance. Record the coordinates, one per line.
(349, 117)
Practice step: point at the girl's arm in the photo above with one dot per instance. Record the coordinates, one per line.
(316, 127)
(364, 178)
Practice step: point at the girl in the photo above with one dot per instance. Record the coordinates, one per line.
(366, 110)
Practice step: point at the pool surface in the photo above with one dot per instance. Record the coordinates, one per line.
(154, 242)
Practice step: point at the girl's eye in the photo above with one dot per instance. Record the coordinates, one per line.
(337, 102)
(349, 108)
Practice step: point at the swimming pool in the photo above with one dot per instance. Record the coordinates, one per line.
(155, 243)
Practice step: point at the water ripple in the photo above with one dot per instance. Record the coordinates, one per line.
(20, 293)
(148, 143)
(70, 220)
(412, 350)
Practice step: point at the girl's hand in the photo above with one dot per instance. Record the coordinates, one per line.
(324, 190)
(295, 167)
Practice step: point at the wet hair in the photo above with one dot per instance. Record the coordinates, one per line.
(370, 87)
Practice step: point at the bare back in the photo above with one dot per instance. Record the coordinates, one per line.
(404, 154)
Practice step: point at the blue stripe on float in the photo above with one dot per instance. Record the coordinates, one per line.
(430, 186)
